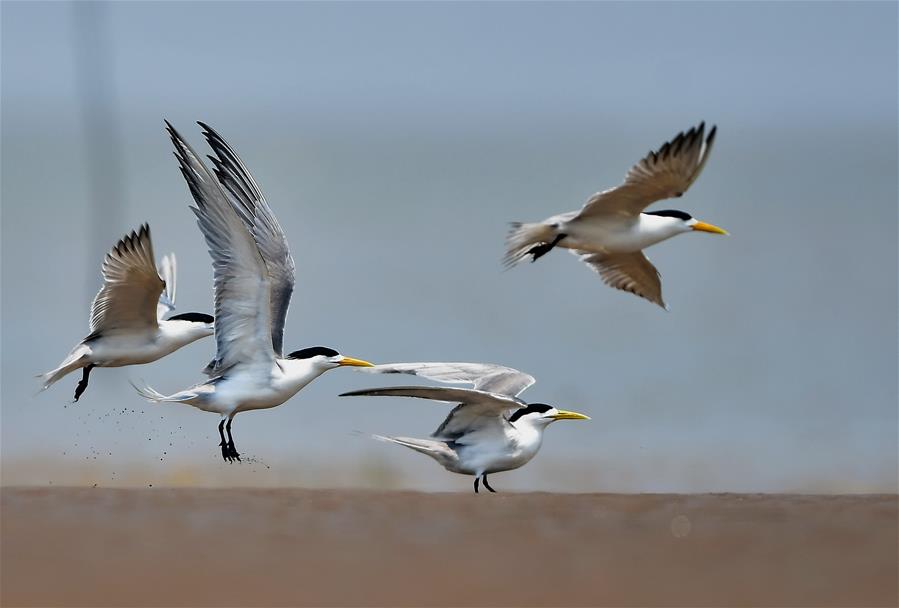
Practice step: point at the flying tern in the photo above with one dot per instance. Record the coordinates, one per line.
(611, 230)
(253, 274)
(490, 430)
(127, 325)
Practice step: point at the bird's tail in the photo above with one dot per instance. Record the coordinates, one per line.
(151, 394)
(77, 359)
(522, 238)
(438, 450)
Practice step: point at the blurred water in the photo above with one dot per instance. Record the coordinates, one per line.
(395, 141)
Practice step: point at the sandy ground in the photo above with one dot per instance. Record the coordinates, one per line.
(185, 547)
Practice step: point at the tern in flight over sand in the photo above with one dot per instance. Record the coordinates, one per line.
(490, 430)
(253, 275)
(127, 325)
(611, 230)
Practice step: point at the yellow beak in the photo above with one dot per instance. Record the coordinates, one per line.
(355, 362)
(703, 227)
(566, 415)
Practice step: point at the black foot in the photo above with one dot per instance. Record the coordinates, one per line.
(538, 251)
(232, 452)
(487, 485)
(226, 452)
(229, 452)
(82, 384)
(476, 480)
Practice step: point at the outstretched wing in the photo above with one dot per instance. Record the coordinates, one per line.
(631, 272)
(257, 215)
(168, 271)
(242, 326)
(665, 173)
(131, 286)
(477, 410)
(483, 376)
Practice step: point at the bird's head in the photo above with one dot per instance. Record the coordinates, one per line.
(681, 221)
(540, 414)
(198, 322)
(324, 358)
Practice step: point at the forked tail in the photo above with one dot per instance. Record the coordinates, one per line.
(438, 450)
(523, 238)
(151, 394)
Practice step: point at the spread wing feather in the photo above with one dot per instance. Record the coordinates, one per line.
(241, 283)
(632, 272)
(131, 286)
(665, 173)
(477, 410)
(255, 212)
(483, 376)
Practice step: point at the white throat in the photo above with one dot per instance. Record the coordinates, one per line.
(657, 228)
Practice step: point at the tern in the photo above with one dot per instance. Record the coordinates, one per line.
(253, 275)
(127, 325)
(611, 230)
(490, 430)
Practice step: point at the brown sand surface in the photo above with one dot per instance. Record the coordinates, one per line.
(249, 547)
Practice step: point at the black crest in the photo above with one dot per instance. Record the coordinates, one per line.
(193, 317)
(532, 408)
(313, 351)
(671, 213)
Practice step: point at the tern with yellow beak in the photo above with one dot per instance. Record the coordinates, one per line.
(611, 230)
(253, 275)
(490, 430)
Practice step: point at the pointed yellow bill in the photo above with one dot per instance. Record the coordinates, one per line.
(355, 362)
(566, 415)
(704, 227)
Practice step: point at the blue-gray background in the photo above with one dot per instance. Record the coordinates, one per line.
(395, 141)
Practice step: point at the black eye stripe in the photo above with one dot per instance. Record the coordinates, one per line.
(313, 351)
(532, 408)
(671, 213)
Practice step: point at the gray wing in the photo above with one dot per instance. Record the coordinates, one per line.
(477, 410)
(267, 232)
(632, 272)
(131, 286)
(242, 326)
(665, 173)
(168, 271)
(483, 376)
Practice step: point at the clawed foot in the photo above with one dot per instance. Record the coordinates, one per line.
(229, 452)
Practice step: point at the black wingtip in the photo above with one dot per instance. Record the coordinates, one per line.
(712, 133)
(207, 130)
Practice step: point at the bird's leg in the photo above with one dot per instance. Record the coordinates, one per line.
(82, 384)
(232, 451)
(224, 444)
(487, 485)
(476, 480)
(538, 251)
